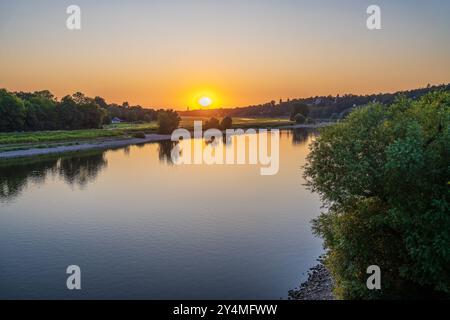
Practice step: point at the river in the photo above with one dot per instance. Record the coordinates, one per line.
(141, 227)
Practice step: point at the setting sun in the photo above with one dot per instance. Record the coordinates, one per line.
(205, 101)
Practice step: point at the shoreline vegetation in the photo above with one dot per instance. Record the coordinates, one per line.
(383, 175)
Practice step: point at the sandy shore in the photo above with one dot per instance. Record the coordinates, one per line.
(83, 146)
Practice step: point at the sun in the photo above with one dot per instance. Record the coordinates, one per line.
(205, 101)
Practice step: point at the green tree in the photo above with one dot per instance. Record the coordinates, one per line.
(70, 117)
(101, 102)
(168, 121)
(12, 112)
(384, 175)
(80, 112)
(299, 108)
(92, 115)
(41, 113)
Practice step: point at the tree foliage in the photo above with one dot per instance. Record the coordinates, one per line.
(168, 121)
(384, 175)
(25, 111)
(79, 112)
(299, 108)
(212, 123)
(226, 123)
(12, 112)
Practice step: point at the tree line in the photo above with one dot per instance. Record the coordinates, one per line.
(320, 107)
(40, 110)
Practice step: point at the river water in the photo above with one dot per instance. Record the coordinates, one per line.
(141, 227)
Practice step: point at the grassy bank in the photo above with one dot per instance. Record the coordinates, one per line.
(22, 139)
(123, 129)
(54, 136)
(47, 139)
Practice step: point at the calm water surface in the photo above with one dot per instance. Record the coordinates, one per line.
(140, 227)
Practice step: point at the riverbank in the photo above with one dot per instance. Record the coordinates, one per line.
(319, 286)
(82, 146)
(44, 137)
(114, 139)
(14, 141)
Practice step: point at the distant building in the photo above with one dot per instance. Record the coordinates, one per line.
(116, 120)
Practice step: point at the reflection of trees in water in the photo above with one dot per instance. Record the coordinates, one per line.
(82, 170)
(165, 151)
(15, 177)
(76, 170)
(126, 150)
(301, 135)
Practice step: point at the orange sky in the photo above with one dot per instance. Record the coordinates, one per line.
(170, 53)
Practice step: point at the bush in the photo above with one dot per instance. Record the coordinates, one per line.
(299, 119)
(384, 175)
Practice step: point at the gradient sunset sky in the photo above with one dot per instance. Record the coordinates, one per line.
(167, 53)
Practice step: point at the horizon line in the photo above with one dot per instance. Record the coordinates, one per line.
(184, 109)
